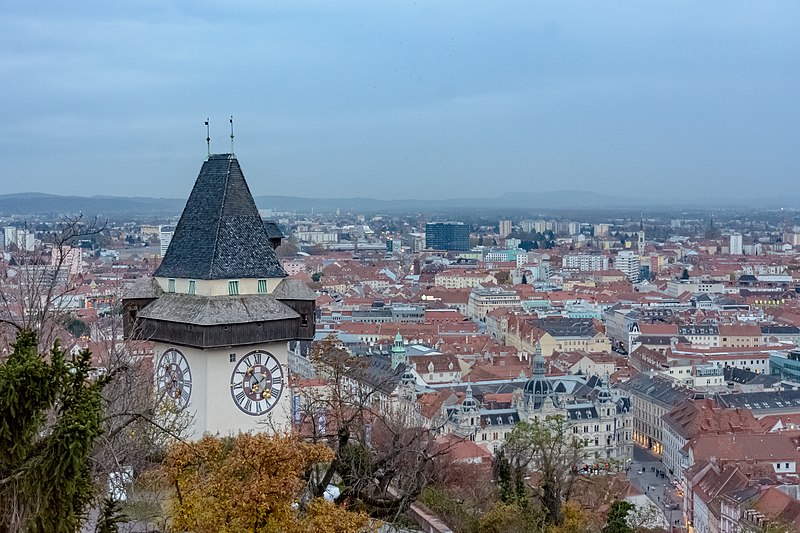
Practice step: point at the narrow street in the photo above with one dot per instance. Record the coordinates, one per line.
(660, 490)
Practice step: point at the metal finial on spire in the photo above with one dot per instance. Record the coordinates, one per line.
(231, 134)
(208, 138)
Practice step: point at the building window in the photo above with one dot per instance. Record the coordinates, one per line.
(233, 287)
(233, 358)
(303, 320)
(170, 285)
(262, 286)
(192, 287)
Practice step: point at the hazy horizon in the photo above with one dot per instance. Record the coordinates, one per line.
(451, 100)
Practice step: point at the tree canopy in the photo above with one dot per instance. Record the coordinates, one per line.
(545, 447)
(251, 482)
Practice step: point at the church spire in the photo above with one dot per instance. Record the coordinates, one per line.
(398, 351)
(640, 239)
(538, 361)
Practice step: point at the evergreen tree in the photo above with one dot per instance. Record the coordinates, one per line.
(618, 517)
(50, 418)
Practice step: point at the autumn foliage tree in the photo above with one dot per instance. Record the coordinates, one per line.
(251, 482)
(546, 448)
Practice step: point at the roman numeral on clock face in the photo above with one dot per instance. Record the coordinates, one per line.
(257, 383)
(174, 377)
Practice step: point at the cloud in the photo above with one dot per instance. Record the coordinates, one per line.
(356, 98)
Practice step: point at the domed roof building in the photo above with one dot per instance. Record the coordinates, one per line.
(539, 391)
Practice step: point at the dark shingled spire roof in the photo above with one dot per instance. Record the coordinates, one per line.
(220, 234)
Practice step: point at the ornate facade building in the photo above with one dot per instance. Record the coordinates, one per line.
(595, 413)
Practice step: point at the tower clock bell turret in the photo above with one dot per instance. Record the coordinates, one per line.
(221, 310)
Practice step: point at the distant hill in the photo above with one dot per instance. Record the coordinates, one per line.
(515, 200)
(112, 206)
(50, 204)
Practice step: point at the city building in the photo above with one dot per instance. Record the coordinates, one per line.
(462, 279)
(653, 397)
(601, 418)
(785, 364)
(594, 412)
(629, 264)
(736, 244)
(447, 236)
(483, 300)
(505, 228)
(697, 418)
(585, 262)
(165, 234)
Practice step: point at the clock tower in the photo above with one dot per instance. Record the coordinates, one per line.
(221, 310)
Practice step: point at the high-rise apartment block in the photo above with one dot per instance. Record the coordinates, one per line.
(736, 244)
(505, 228)
(585, 262)
(165, 237)
(23, 240)
(629, 263)
(601, 230)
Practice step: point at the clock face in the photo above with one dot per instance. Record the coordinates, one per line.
(257, 383)
(173, 377)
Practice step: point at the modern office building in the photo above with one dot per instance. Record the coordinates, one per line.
(447, 236)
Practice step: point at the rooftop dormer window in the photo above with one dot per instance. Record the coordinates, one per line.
(170, 285)
(262, 286)
(233, 287)
(192, 287)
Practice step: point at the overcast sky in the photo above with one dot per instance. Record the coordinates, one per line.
(402, 99)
